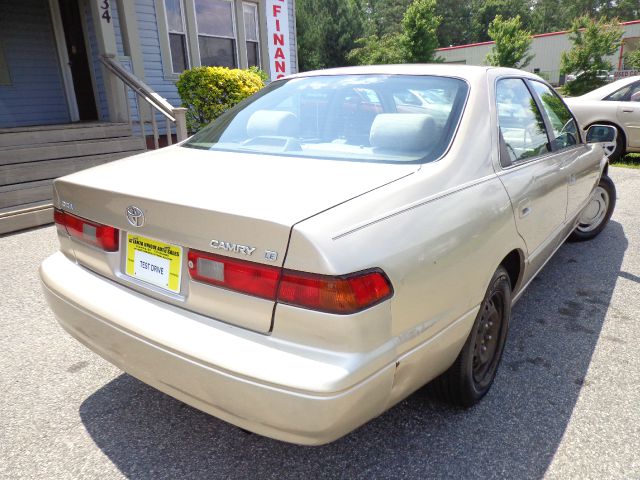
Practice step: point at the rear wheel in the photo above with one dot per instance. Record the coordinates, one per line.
(597, 213)
(471, 376)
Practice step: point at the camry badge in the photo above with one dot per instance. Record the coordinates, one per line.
(232, 247)
(135, 216)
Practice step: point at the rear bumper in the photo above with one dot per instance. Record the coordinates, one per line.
(174, 351)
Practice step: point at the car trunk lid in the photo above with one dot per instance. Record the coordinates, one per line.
(237, 205)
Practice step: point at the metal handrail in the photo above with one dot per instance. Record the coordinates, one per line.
(142, 91)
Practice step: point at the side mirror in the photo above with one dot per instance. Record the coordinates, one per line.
(601, 134)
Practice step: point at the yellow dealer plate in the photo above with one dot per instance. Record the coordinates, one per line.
(154, 262)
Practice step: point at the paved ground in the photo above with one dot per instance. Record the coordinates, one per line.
(566, 402)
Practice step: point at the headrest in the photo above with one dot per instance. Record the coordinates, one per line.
(635, 97)
(272, 122)
(403, 131)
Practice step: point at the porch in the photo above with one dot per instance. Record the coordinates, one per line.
(32, 157)
(70, 99)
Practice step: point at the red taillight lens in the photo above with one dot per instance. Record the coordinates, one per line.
(96, 234)
(239, 275)
(342, 295)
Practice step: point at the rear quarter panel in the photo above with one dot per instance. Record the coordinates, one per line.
(438, 253)
(439, 234)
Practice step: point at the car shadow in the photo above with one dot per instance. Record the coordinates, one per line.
(514, 432)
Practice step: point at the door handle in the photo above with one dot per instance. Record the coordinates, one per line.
(627, 110)
(524, 208)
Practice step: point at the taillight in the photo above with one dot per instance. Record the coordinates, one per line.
(239, 275)
(332, 294)
(342, 295)
(96, 234)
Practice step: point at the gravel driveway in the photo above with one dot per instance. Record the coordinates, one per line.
(565, 404)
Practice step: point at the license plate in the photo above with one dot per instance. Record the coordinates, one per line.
(154, 262)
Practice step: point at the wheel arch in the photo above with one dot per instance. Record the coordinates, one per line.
(613, 124)
(513, 263)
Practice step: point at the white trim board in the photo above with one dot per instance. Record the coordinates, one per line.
(63, 59)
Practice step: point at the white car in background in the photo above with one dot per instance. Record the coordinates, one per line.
(616, 104)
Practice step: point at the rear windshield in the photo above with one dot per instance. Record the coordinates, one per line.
(376, 118)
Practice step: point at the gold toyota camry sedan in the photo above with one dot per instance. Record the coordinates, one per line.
(330, 245)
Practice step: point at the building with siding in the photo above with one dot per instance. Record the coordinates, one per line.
(546, 48)
(79, 78)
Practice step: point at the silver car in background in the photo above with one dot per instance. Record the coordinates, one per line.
(329, 246)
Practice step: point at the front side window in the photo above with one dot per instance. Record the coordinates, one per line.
(177, 35)
(216, 33)
(522, 129)
(342, 117)
(565, 130)
(250, 13)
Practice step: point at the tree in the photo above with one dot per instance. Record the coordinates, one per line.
(627, 10)
(593, 40)
(512, 43)
(455, 27)
(547, 17)
(416, 42)
(419, 31)
(374, 50)
(385, 16)
(327, 31)
(632, 60)
(484, 11)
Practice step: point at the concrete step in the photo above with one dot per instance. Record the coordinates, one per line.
(49, 169)
(31, 158)
(57, 150)
(24, 193)
(28, 136)
(27, 216)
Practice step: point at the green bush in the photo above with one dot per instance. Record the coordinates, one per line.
(207, 92)
(261, 73)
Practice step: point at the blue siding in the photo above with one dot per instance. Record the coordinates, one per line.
(36, 94)
(150, 44)
(152, 57)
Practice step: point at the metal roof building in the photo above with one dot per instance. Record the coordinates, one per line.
(546, 48)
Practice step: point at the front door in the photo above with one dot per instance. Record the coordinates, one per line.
(532, 173)
(581, 162)
(78, 59)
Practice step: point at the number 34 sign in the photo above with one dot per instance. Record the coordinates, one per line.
(106, 14)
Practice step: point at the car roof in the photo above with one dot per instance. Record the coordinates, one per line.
(609, 88)
(441, 69)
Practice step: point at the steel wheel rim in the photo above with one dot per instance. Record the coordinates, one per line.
(486, 350)
(595, 211)
(609, 148)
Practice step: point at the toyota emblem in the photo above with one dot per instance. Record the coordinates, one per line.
(135, 216)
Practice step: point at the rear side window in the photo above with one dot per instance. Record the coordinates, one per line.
(565, 130)
(629, 93)
(369, 118)
(522, 128)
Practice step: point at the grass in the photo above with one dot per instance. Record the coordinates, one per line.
(631, 160)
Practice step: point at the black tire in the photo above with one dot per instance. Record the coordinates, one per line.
(473, 372)
(597, 213)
